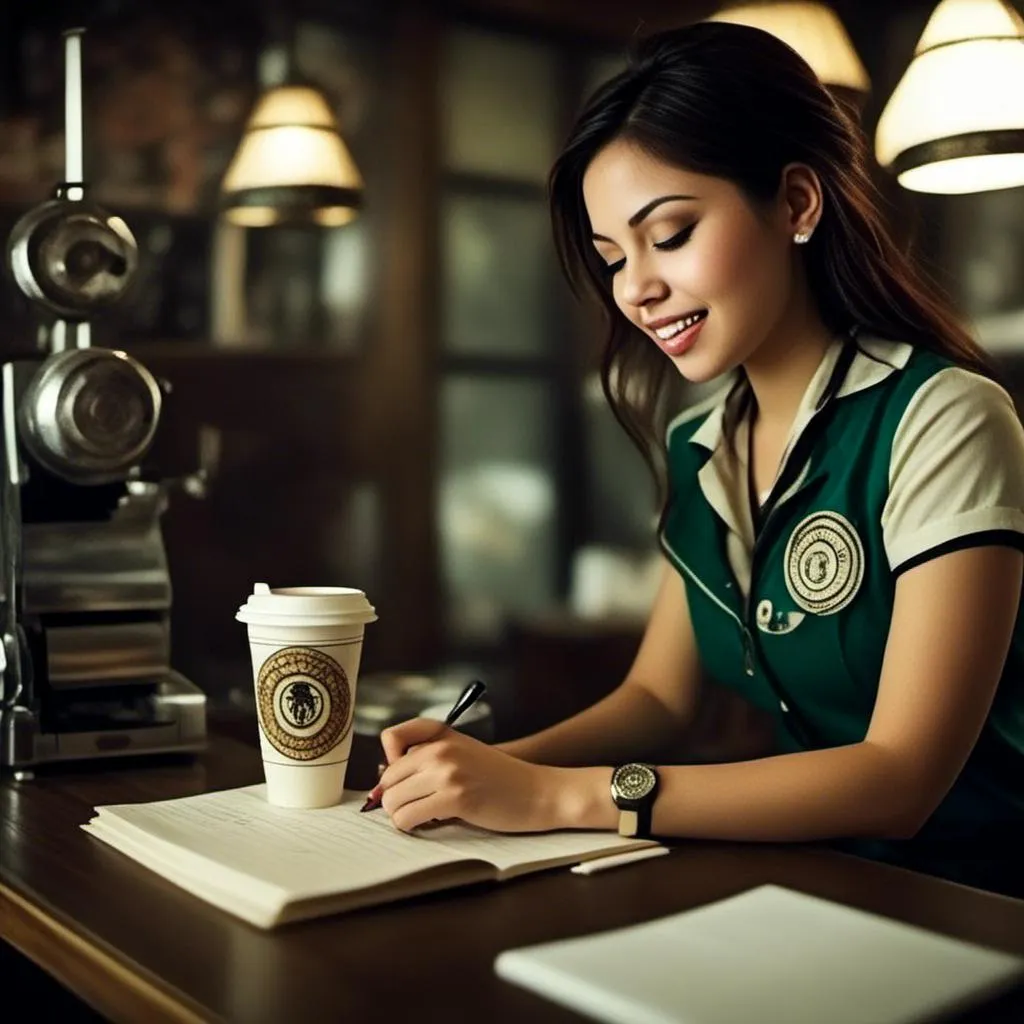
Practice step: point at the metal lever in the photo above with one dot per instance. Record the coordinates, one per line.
(197, 483)
(74, 149)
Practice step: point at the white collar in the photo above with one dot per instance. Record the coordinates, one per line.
(874, 361)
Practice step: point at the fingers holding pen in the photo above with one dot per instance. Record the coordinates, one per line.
(398, 739)
(412, 761)
(421, 785)
(413, 813)
(416, 800)
(457, 776)
(398, 742)
(400, 765)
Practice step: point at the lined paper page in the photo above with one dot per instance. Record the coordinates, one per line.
(255, 901)
(303, 852)
(509, 852)
(224, 842)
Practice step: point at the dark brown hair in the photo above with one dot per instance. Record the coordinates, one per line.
(735, 103)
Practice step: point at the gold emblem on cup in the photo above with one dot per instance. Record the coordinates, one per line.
(304, 702)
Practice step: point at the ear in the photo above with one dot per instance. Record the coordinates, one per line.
(801, 199)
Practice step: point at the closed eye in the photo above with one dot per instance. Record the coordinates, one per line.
(611, 269)
(676, 242)
(679, 239)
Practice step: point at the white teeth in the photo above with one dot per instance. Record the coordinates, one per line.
(671, 330)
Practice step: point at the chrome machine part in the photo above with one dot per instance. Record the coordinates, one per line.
(85, 592)
(72, 256)
(69, 255)
(89, 415)
(116, 567)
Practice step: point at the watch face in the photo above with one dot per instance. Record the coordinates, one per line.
(633, 781)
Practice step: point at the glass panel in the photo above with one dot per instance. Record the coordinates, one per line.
(498, 267)
(982, 239)
(287, 287)
(621, 498)
(345, 281)
(497, 504)
(498, 106)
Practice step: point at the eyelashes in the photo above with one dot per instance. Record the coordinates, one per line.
(677, 241)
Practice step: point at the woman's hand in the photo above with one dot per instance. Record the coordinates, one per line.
(435, 772)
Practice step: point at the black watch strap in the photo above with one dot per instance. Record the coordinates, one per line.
(643, 818)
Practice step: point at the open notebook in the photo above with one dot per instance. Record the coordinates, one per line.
(270, 865)
(769, 955)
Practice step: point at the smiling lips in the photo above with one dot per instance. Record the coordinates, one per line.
(677, 335)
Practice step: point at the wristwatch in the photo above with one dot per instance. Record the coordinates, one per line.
(634, 787)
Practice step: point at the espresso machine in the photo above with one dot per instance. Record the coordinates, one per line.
(85, 593)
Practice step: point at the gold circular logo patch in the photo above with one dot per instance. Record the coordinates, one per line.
(304, 702)
(824, 563)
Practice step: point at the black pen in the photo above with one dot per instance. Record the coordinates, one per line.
(469, 696)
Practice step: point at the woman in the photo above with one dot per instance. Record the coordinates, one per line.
(843, 523)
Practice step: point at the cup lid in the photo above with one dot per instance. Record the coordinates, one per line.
(309, 606)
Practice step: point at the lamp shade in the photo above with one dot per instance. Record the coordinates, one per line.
(955, 122)
(292, 164)
(814, 31)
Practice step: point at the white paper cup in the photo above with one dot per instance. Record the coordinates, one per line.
(306, 643)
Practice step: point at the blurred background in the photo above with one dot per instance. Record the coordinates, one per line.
(407, 402)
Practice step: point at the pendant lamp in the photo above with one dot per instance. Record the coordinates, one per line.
(955, 122)
(814, 31)
(292, 165)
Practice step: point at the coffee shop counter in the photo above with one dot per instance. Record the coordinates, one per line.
(135, 948)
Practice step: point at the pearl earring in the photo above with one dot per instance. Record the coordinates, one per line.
(801, 237)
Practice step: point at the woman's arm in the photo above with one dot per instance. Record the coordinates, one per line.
(950, 632)
(647, 711)
(521, 786)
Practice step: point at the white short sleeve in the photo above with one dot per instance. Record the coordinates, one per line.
(956, 467)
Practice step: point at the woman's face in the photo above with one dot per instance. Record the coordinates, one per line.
(706, 276)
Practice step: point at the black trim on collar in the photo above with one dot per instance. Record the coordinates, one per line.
(805, 444)
(875, 359)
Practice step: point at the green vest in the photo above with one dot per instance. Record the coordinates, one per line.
(807, 640)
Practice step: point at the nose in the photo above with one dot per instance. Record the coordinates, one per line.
(640, 284)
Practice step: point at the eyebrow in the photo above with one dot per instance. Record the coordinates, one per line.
(641, 214)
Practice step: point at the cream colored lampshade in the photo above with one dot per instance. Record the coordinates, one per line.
(292, 164)
(814, 31)
(955, 122)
